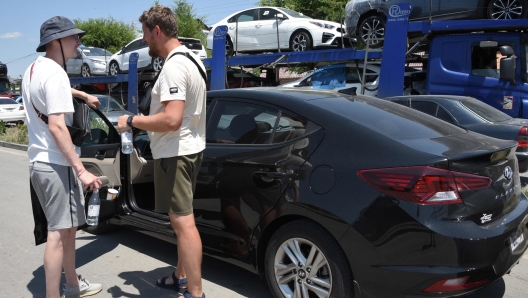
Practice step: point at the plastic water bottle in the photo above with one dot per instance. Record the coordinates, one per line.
(126, 142)
(93, 209)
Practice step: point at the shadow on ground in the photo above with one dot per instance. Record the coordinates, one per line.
(215, 271)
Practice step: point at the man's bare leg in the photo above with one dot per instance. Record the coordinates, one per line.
(68, 262)
(53, 256)
(189, 251)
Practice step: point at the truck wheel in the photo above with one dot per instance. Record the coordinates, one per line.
(372, 27)
(304, 260)
(114, 68)
(85, 70)
(506, 10)
(300, 41)
(157, 64)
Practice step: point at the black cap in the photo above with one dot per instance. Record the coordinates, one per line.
(55, 28)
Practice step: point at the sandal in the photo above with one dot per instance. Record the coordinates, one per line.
(178, 284)
(186, 294)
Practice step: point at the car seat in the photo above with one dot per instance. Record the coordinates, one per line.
(243, 129)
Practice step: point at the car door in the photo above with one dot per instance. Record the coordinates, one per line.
(253, 151)
(100, 156)
(241, 29)
(125, 54)
(266, 29)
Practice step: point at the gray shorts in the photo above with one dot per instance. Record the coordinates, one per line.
(60, 195)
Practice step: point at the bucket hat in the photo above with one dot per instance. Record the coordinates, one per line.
(55, 28)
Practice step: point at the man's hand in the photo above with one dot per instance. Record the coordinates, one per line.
(90, 181)
(92, 101)
(122, 123)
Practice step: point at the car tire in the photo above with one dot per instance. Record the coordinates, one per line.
(300, 41)
(157, 64)
(299, 239)
(376, 25)
(85, 71)
(516, 9)
(102, 228)
(113, 69)
(229, 50)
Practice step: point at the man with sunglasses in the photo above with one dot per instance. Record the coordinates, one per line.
(56, 171)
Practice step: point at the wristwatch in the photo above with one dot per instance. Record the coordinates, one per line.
(129, 121)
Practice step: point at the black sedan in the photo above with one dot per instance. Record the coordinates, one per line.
(328, 195)
(473, 114)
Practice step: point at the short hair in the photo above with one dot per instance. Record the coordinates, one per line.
(163, 17)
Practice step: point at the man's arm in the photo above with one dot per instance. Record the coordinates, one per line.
(59, 132)
(90, 100)
(169, 120)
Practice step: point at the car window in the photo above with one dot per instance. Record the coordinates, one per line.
(7, 101)
(442, 114)
(289, 128)
(138, 44)
(267, 14)
(424, 106)
(109, 103)
(484, 60)
(353, 75)
(4, 87)
(96, 52)
(241, 123)
(100, 131)
(295, 14)
(245, 16)
(485, 111)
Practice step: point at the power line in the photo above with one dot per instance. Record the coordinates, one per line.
(21, 58)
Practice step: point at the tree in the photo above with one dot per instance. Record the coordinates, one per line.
(189, 24)
(320, 9)
(106, 33)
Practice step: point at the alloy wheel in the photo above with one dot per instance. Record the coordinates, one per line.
(506, 9)
(371, 30)
(114, 69)
(157, 63)
(85, 70)
(302, 270)
(300, 42)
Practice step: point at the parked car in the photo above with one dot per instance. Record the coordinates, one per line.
(368, 17)
(238, 78)
(120, 60)
(111, 108)
(349, 75)
(325, 193)
(255, 30)
(89, 61)
(11, 111)
(475, 115)
(5, 88)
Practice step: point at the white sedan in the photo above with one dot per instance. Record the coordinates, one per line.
(11, 111)
(255, 29)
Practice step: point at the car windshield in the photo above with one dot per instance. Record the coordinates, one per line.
(109, 104)
(7, 101)
(485, 111)
(237, 73)
(295, 14)
(96, 52)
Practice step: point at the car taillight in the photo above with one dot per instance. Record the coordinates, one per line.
(522, 137)
(21, 107)
(453, 284)
(423, 185)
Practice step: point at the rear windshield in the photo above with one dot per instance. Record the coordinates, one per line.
(485, 111)
(7, 101)
(394, 120)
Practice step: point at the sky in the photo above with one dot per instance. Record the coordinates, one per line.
(20, 21)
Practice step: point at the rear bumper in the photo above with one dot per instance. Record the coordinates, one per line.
(416, 254)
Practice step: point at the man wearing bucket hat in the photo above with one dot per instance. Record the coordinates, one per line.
(56, 171)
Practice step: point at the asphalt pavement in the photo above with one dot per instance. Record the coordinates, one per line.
(128, 263)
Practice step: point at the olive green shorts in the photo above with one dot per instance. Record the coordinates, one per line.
(174, 183)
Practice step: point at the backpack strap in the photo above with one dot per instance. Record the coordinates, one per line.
(186, 54)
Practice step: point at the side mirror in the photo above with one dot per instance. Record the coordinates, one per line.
(507, 65)
(281, 16)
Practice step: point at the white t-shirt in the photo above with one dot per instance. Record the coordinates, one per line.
(180, 79)
(50, 92)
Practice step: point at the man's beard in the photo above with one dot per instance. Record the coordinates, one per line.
(153, 53)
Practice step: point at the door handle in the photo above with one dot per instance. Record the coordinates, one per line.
(231, 28)
(258, 26)
(100, 154)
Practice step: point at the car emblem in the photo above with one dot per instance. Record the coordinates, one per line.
(485, 217)
(302, 273)
(508, 173)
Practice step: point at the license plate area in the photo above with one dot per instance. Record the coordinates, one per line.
(516, 239)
